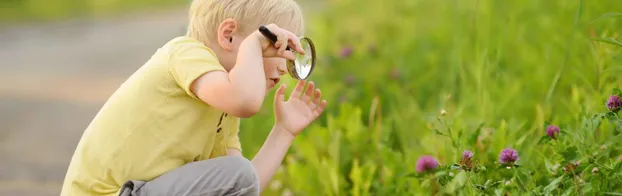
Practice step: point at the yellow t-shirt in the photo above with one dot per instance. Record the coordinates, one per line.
(152, 124)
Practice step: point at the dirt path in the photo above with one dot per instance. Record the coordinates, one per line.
(54, 78)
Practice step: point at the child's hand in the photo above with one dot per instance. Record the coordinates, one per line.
(284, 39)
(300, 109)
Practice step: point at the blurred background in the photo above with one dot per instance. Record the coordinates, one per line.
(499, 71)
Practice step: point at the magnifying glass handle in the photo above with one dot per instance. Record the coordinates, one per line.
(268, 34)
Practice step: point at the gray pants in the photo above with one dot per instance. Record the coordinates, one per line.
(222, 176)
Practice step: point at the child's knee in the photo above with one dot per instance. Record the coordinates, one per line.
(243, 169)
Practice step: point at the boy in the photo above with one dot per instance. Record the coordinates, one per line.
(172, 127)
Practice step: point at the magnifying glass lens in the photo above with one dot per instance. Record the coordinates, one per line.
(304, 62)
(302, 67)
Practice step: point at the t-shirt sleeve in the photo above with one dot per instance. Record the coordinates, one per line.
(191, 61)
(233, 139)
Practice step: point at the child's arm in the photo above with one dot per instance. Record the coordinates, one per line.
(271, 154)
(241, 92)
(291, 118)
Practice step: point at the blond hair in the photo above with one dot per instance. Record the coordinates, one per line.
(206, 15)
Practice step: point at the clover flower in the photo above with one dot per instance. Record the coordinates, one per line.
(614, 103)
(467, 155)
(426, 163)
(467, 159)
(508, 156)
(552, 131)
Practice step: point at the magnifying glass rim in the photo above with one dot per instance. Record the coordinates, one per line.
(292, 63)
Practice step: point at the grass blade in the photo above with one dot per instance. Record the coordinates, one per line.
(608, 40)
(608, 16)
(553, 86)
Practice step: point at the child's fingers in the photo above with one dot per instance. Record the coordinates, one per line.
(289, 55)
(315, 102)
(306, 98)
(280, 93)
(281, 44)
(320, 109)
(284, 39)
(317, 96)
(273, 52)
(310, 88)
(279, 49)
(295, 41)
(298, 90)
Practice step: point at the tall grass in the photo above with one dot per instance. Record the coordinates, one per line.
(498, 71)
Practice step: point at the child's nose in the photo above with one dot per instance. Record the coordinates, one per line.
(282, 69)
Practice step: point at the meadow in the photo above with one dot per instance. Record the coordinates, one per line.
(522, 86)
(411, 79)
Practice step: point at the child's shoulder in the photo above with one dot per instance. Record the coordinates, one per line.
(188, 46)
(184, 41)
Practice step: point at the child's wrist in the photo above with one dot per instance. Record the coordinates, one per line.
(283, 132)
(263, 42)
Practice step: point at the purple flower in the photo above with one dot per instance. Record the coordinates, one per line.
(466, 161)
(614, 103)
(426, 163)
(552, 131)
(508, 156)
(467, 154)
(346, 52)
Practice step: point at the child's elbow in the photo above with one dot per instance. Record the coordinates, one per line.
(249, 107)
(247, 112)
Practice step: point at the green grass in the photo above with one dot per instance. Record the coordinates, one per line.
(502, 71)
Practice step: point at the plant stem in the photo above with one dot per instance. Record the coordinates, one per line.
(520, 182)
(577, 185)
(602, 166)
(468, 182)
(435, 187)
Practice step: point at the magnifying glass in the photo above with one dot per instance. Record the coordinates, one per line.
(302, 67)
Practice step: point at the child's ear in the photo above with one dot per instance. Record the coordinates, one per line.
(225, 34)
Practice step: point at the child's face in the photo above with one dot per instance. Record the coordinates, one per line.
(274, 68)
